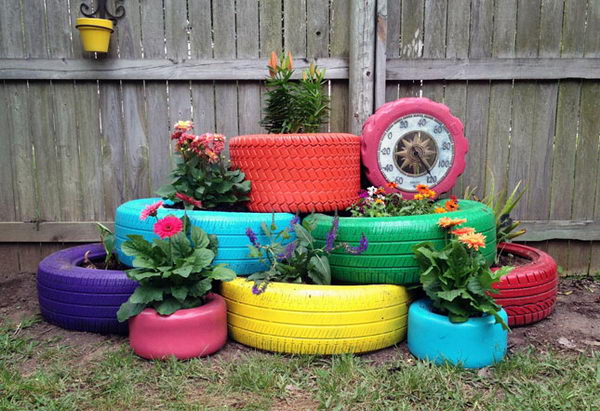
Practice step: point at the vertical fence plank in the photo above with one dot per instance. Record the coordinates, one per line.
(394, 17)
(155, 94)
(317, 28)
(203, 93)
(247, 47)
(294, 27)
(226, 104)
(271, 38)
(411, 41)
(339, 41)
(434, 43)
(176, 25)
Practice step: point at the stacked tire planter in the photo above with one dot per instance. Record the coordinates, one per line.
(315, 319)
(528, 293)
(78, 298)
(389, 258)
(299, 172)
(230, 229)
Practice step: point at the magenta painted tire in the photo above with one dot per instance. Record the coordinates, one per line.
(78, 298)
(387, 114)
(189, 333)
(528, 293)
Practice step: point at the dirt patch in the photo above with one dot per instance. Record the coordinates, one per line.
(573, 327)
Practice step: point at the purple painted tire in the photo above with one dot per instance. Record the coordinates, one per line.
(80, 298)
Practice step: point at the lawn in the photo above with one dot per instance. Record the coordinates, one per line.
(551, 366)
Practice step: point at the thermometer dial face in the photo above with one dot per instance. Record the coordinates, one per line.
(415, 149)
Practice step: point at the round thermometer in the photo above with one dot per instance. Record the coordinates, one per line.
(414, 141)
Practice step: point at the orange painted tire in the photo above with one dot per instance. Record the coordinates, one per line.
(299, 172)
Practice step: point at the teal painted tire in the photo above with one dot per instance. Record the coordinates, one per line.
(476, 343)
(229, 227)
(389, 258)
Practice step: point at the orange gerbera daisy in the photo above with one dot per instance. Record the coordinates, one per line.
(421, 188)
(451, 205)
(391, 184)
(463, 231)
(419, 197)
(473, 240)
(380, 190)
(446, 222)
(439, 210)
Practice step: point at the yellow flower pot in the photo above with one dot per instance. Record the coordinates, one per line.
(95, 33)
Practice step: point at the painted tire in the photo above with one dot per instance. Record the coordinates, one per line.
(80, 298)
(189, 333)
(385, 115)
(528, 293)
(389, 258)
(301, 172)
(476, 343)
(313, 319)
(230, 229)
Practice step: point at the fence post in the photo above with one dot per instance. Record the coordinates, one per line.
(362, 63)
(380, 52)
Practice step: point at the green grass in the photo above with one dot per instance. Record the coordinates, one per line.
(107, 376)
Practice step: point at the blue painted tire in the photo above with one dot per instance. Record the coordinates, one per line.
(476, 343)
(230, 229)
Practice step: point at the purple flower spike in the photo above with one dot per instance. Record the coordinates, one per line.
(362, 246)
(293, 222)
(332, 234)
(256, 290)
(289, 250)
(252, 237)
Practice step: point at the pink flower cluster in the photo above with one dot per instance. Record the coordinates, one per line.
(207, 146)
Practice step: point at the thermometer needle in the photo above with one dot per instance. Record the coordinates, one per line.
(423, 162)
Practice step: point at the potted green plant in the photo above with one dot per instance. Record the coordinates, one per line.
(172, 312)
(292, 308)
(394, 225)
(459, 322)
(210, 191)
(296, 167)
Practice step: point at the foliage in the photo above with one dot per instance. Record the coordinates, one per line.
(502, 204)
(109, 240)
(299, 260)
(384, 202)
(203, 177)
(174, 272)
(457, 278)
(294, 106)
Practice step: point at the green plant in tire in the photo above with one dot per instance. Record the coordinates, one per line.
(174, 271)
(294, 106)
(203, 177)
(109, 242)
(457, 278)
(502, 204)
(297, 261)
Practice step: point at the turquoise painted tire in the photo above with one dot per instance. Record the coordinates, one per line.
(476, 343)
(230, 229)
(389, 257)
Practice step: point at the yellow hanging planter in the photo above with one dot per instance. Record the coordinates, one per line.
(95, 33)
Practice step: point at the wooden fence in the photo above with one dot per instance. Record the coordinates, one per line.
(82, 133)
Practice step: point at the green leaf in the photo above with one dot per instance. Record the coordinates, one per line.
(201, 287)
(222, 273)
(139, 274)
(168, 306)
(181, 245)
(474, 286)
(202, 258)
(179, 292)
(449, 295)
(184, 271)
(137, 246)
(145, 294)
(128, 310)
(166, 191)
(303, 235)
(199, 238)
(319, 270)
(143, 262)
(266, 230)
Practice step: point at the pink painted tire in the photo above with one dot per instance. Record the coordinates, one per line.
(378, 123)
(189, 333)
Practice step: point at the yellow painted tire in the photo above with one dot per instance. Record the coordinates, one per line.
(316, 319)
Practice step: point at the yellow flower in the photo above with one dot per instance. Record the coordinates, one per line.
(473, 240)
(446, 222)
(183, 125)
(419, 197)
(379, 201)
(439, 210)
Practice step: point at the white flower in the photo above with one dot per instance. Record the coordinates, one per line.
(371, 190)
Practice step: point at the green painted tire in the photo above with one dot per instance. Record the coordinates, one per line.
(389, 258)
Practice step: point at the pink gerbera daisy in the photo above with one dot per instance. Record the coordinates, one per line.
(189, 200)
(168, 226)
(150, 211)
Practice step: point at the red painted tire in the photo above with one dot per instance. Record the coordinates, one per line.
(189, 333)
(379, 122)
(528, 293)
(299, 172)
